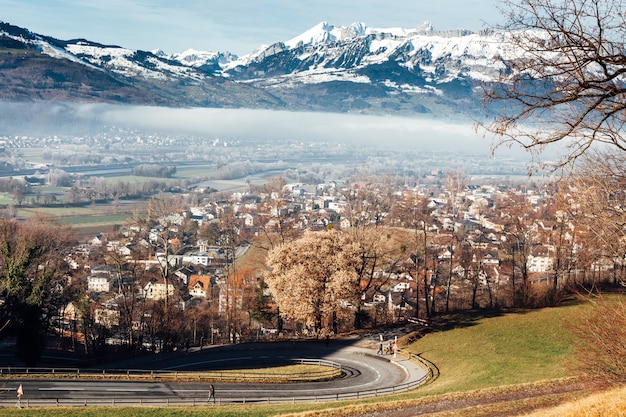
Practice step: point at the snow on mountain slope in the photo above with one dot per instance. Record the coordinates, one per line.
(197, 59)
(326, 33)
(315, 55)
(472, 55)
(122, 61)
(39, 43)
(439, 56)
(128, 62)
(327, 68)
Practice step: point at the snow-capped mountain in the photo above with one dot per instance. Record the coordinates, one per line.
(325, 51)
(326, 68)
(209, 62)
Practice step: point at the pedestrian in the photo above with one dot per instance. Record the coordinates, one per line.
(20, 392)
(211, 394)
(395, 349)
(389, 347)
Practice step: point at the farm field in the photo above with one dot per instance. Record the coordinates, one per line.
(89, 220)
(86, 221)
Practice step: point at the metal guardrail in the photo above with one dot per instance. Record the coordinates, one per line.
(201, 401)
(431, 372)
(209, 375)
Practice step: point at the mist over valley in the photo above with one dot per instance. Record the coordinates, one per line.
(129, 135)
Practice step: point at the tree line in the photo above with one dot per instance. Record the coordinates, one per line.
(156, 171)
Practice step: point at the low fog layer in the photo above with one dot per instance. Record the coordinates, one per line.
(389, 132)
(266, 124)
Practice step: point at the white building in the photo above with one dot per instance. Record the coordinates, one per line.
(98, 283)
(539, 264)
(99, 279)
(154, 290)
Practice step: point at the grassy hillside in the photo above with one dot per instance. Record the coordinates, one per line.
(478, 355)
(487, 350)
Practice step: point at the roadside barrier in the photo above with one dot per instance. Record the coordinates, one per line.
(129, 374)
(230, 375)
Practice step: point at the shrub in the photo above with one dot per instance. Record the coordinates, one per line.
(601, 333)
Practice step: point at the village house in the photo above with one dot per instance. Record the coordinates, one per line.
(184, 273)
(100, 279)
(107, 314)
(155, 289)
(197, 259)
(539, 261)
(98, 284)
(249, 219)
(337, 206)
(200, 286)
(97, 240)
(117, 247)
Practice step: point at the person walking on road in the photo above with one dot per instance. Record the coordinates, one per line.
(20, 392)
(395, 349)
(211, 394)
(380, 345)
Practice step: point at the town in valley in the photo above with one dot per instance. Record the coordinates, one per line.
(197, 217)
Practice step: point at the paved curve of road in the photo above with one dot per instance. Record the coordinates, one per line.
(367, 373)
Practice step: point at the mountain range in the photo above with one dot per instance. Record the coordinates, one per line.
(354, 69)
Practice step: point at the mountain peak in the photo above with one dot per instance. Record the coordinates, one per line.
(425, 26)
(324, 32)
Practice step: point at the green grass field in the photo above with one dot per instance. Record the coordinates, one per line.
(472, 352)
(513, 348)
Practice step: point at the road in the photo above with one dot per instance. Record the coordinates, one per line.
(365, 374)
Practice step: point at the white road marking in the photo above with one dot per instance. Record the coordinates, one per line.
(61, 389)
(127, 390)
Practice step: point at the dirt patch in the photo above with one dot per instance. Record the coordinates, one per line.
(492, 403)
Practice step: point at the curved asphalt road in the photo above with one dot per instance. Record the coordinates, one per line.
(368, 373)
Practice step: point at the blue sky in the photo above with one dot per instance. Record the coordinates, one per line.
(238, 26)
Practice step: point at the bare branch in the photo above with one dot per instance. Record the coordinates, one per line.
(566, 79)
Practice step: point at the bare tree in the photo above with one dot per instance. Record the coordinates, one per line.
(601, 332)
(163, 237)
(521, 238)
(275, 222)
(230, 238)
(129, 276)
(414, 213)
(566, 83)
(597, 203)
(160, 229)
(33, 274)
(313, 279)
(477, 274)
(368, 203)
(455, 184)
(560, 237)
(375, 250)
